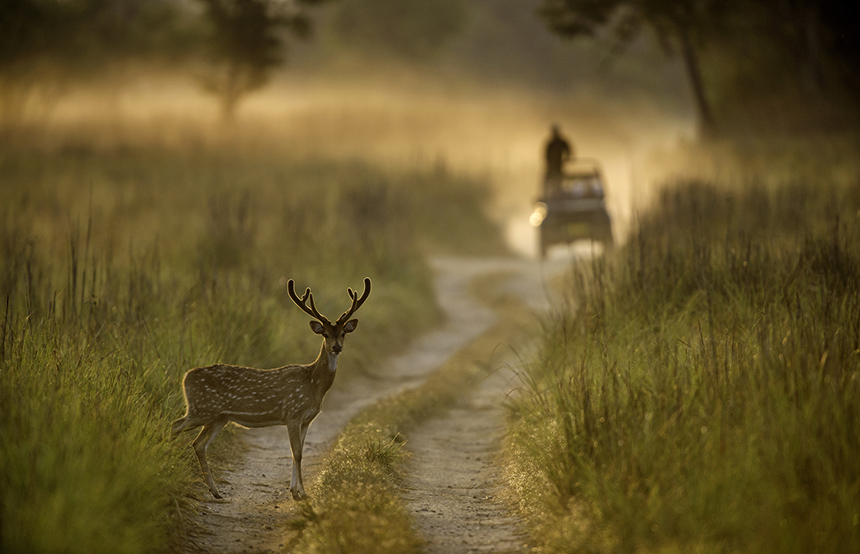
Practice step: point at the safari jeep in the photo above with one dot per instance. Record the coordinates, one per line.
(573, 208)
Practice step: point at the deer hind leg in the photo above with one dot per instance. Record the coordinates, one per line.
(188, 422)
(180, 425)
(201, 443)
(297, 435)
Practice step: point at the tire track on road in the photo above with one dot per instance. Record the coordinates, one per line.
(454, 475)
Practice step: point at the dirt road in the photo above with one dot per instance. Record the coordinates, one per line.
(452, 480)
(452, 483)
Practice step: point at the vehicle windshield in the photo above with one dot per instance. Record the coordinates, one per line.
(582, 186)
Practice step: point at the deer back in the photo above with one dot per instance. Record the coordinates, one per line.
(224, 390)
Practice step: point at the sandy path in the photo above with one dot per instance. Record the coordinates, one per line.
(257, 500)
(453, 480)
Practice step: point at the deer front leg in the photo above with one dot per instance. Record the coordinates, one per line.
(201, 443)
(296, 486)
(304, 434)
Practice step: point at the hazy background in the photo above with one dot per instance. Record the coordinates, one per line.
(464, 86)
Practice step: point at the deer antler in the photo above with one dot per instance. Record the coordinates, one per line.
(303, 302)
(356, 301)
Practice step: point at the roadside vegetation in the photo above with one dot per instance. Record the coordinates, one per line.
(120, 269)
(700, 390)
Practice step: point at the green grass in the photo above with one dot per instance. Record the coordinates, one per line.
(120, 270)
(700, 392)
(355, 505)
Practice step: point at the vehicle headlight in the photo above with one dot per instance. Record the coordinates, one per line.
(538, 215)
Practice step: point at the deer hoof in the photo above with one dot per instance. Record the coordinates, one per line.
(217, 495)
(299, 495)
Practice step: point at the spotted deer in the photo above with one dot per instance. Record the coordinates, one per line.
(290, 395)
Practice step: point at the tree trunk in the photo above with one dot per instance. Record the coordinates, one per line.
(231, 93)
(229, 100)
(707, 124)
(813, 73)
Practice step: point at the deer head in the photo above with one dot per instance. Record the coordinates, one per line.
(333, 333)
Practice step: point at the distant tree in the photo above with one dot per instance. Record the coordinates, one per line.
(679, 25)
(247, 41)
(23, 25)
(47, 44)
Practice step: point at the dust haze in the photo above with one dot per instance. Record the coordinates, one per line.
(490, 132)
(482, 106)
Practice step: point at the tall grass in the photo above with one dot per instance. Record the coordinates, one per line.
(119, 271)
(701, 391)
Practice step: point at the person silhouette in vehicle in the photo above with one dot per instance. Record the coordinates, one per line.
(557, 152)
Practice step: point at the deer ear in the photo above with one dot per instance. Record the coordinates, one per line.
(350, 326)
(317, 327)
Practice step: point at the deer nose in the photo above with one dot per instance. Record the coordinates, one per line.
(337, 348)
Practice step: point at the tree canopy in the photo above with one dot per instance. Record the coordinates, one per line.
(246, 41)
(679, 25)
(814, 44)
(47, 44)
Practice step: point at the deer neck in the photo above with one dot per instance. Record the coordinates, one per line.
(324, 369)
